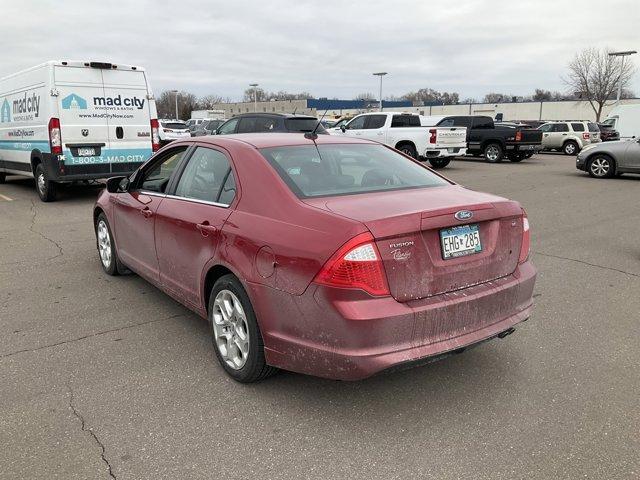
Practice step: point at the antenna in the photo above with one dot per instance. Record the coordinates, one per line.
(294, 110)
(313, 135)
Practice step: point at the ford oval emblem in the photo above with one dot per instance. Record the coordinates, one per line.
(463, 215)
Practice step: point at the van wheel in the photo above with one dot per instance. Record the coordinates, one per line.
(437, 163)
(235, 332)
(570, 148)
(46, 188)
(493, 153)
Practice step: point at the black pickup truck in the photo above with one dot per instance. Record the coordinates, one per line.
(516, 142)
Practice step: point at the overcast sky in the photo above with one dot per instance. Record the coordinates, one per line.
(328, 48)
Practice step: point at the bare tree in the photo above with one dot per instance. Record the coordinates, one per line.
(494, 97)
(260, 95)
(166, 104)
(430, 95)
(365, 96)
(208, 102)
(594, 75)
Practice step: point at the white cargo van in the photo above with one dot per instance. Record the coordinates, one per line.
(626, 120)
(64, 121)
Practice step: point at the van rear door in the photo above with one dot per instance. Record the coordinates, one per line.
(83, 126)
(129, 118)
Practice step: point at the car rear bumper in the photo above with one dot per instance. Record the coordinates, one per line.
(348, 335)
(447, 152)
(58, 171)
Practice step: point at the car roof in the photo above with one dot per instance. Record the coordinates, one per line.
(273, 114)
(265, 140)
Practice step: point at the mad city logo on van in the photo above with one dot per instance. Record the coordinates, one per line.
(27, 105)
(74, 102)
(5, 111)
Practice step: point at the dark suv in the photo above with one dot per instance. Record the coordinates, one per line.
(608, 133)
(270, 122)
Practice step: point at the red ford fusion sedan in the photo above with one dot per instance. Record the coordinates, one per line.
(328, 256)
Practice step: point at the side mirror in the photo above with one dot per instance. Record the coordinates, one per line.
(343, 128)
(118, 184)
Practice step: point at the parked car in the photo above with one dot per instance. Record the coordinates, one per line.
(208, 127)
(270, 122)
(194, 123)
(625, 119)
(328, 255)
(608, 133)
(607, 159)
(569, 137)
(172, 130)
(495, 142)
(406, 133)
(53, 125)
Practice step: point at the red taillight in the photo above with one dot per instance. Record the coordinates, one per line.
(432, 137)
(155, 135)
(518, 136)
(526, 239)
(55, 139)
(586, 136)
(357, 264)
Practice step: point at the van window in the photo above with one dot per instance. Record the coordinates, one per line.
(577, 127)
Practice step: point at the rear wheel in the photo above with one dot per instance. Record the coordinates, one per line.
(46, 188)
(493, 153)
(235, 332)
(408, 150)
(601, 166)
(437, 163)
(570, 148)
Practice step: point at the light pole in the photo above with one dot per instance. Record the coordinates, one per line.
(380, 74)
(621, 54)
(176, 94)
(255, 96)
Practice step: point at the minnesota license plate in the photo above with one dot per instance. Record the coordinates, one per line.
(86, 152)
(460, 241)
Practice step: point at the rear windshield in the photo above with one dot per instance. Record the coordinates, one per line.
(303, 125)
(176, 125)
(593, 127)
(331, 170)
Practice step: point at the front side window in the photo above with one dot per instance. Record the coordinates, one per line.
(357, 123)
(247, 125)
(206, 172)
(229, 127)
(346, 169)
(156, 178)
(545, 128)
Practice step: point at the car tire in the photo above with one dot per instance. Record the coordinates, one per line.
(408, 150)
(601, 166)
(47, 190)
(437, 163)
(234, 323)
(107, 251)
(493, 153)
(570, 148)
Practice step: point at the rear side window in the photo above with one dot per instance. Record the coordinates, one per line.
(347, 169)
(303, 125)
(399, 121)
(206, 172)
(375, 121)
(577, 127)
(266, 124)
(482, 122)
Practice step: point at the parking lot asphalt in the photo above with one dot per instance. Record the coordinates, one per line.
(104, 377)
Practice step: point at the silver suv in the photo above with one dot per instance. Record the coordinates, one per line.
(569, 137)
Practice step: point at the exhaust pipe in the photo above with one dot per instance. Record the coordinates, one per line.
(506, 333)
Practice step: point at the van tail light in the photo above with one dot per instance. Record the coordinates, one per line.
(357, 264)
(586, 136)
(518, 136)
(432, 137)
(525, 247)
(55, 138)
(155, 135)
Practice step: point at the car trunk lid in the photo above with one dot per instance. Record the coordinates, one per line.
(406, 226)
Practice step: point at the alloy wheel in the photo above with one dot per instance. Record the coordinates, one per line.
(492, 153)
(41, 184)
(230, 329)
(570, 148)
(600, 167)
(104, 244)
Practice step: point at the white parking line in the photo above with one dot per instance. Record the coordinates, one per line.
(4, 197)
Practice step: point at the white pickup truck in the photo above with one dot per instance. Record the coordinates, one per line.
(409, 134)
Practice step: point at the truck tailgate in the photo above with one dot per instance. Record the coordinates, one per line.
(448, 137)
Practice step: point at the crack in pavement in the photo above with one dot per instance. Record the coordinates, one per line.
(90, 335)
(90, 432)
(587, 263)
(32, 229)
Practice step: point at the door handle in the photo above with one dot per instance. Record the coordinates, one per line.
(146, 213)
(206, 229)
